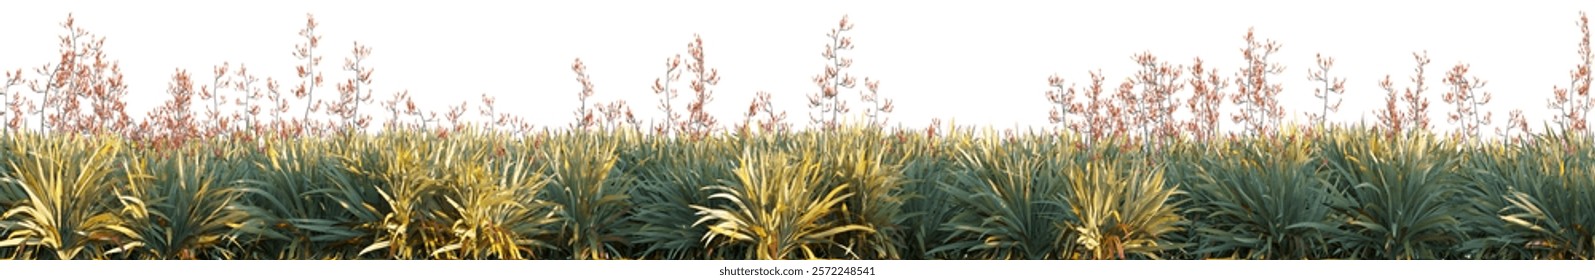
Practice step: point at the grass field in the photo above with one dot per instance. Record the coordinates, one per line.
(1120, 176)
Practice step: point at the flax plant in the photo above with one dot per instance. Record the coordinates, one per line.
(594, 200)
(290, 217)
(1537, 198)
(1011, 200)
(671, 175)
(187, 205)
(493, 209)
(1403, 190)
(71, 206)
(856, 156)
(779, 207)
(1256, 199)
(1120, 208)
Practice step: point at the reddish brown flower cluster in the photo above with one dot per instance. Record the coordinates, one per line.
(1331, 87)
(1207, 93)
(1573, 103)
(82, 75)
(1416, 116)
(81, 92)
(613, 114)
(584, 116)
(827, 107)
(667, 95)
(699, 123)
(355, 91)
(1257, 96)
(772, 122)
(1464, 95)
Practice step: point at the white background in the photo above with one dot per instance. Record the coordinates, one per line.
(978, 62)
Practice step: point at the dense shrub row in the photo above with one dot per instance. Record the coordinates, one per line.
(852, 193)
